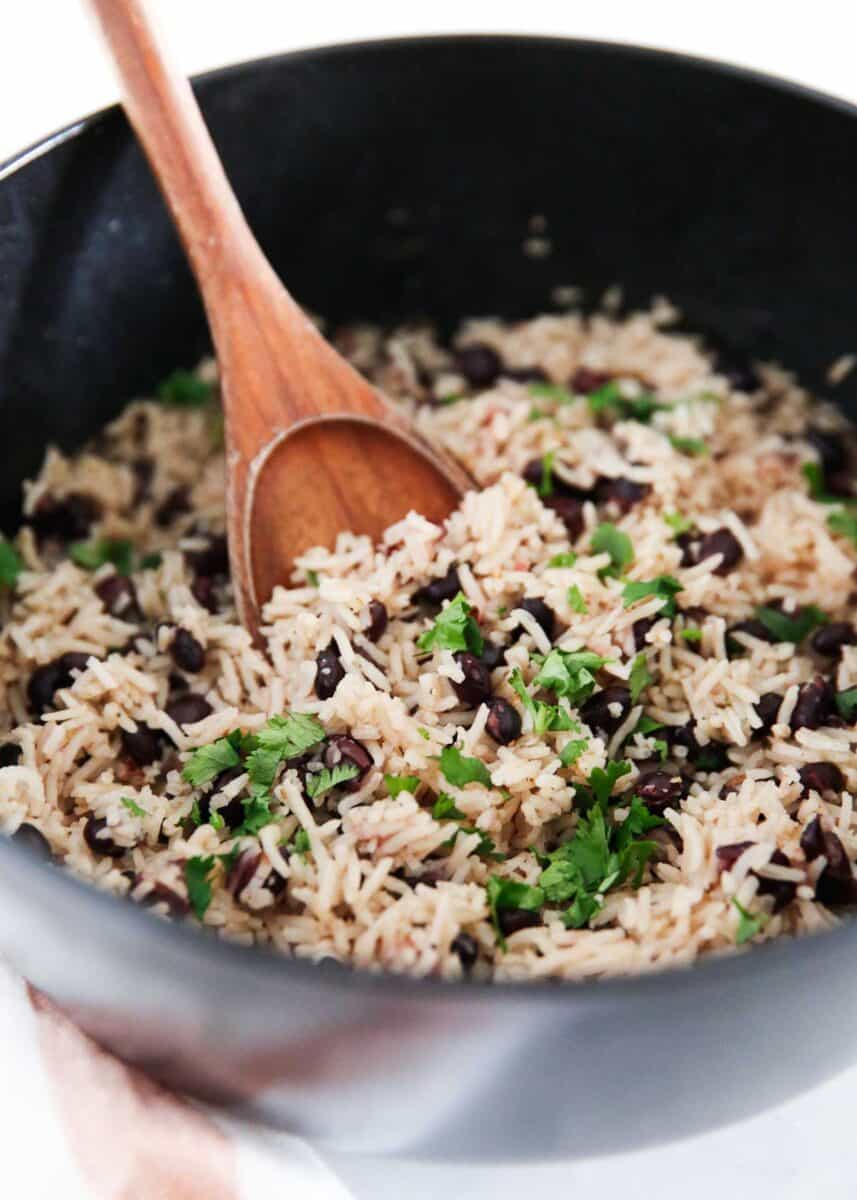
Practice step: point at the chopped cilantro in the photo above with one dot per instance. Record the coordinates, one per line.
(319, 782)
(537, 414)
(813, 473)
(607, 396)
(92, 555)
(151, 562)
(216, 821)
(257, 814)
(569, 673)
(572, 751)
(846, 704)
(692, 634)
(748, 925)
(603, 780)
(568, 559)
(197, 873)
(11, 565)
(510, 893)
(397, 784)
(460, 770)
(208, 761)
(678, 523)
(445, 809)
(791, 627)
(133, 807)
(648, 724)
(687, 445)
(454, 629)
(843, 522)
(661, 747)
(312, 578)
(545, 487)
(628, 408)
(545, 716)
(195, 814)
(575, 600)
(184, 389)
(453, 398)
(607, 539)
(639, 679)
(424, 733)
(292, 735)
(552, 391)
(301, 844)
(666, 587)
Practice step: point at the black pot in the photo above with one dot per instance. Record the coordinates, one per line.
(389, 180)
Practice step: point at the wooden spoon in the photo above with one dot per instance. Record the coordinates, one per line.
(311, 447)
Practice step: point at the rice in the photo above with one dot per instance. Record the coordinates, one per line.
(402, 864)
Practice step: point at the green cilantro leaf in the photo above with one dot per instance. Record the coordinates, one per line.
(319, 782)
(197, 873)
(396, 784)
(184, 389)
(552, 391)
(301, 844)
(813, 473)
(208, 761)
(602, 780)
(424, 733)
(545, 716)
(692, 634)
(846, 704)
(687, 445)
(844, 523)
(459, 770)
(678, 523)
(445, 809)
(11, 564)
(607, 539)
(454, 629)
(634, 408)
(662, 748)
(570, 673)
(568, 559)
(575, 600)
(666, 587)
(151, 562)
(545, 487)
(510, 893)
(215, 820)
(572, 751)
(648, 724)
(312, 578)
(92, 555)
(607, 396)
(639, 679)
(291, 735)
(133, 807)
(748, 925)
(257, 814)
(791, 627)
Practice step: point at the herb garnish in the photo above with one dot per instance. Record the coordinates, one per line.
(208, 761)
(568, 559)
(133, 807)
(197, 873)
(791, 627)
(569, 673)
(454, 629)
(184, 389)
(396, 784)
(688, 445)
(666, 587)
(607, 539)
(678, 523)
(545, 716)
(572, 751)
(627, 408)
(552, 391)
(459, 770)
(92, 555)
(11, 564)
(846, 704)
(639, 679)
(575, 600)
(319, 782)
(844, 523)
(510, 893)
(545, 487)
(748, 924)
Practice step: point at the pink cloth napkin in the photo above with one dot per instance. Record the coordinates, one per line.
(79, 1124)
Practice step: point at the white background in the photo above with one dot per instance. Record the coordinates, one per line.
(52, 70)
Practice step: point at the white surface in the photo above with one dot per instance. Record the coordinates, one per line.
(52, 70)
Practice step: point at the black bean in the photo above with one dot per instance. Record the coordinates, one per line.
(161, 893)
(213, 559)
(829, 639)
(445, 587)
(187, 653)
(378, 619)
(341, 748)
(242, 871)
(479, 364)
(754, 628)
(175, 504)
(143, 746)
(329, 672)
(66, 520)
(767, 710)
(119, 597)
(711, 757)
(47, 680)
(541, 612)
(101, 845)
(188, 709)
(682, 737)
(177, 682)
(493, 653)
(836, 884)
(722, 542)
(10, 754)
(525, 374)
(585, 380)
(275, 883)
(830, 448)
(620, 494)
(231, 813)
(597, 710)
(570, 512)
(504, 721)
(782, 890)
(728, 855)
(511, 920)
(475, 685)
(144, 470)
(204, 593)
(467, 949)
(738, 372)
(533, 472)
(816, 703)
(821, 777)
(640, 629)
(660, 790)
(33, 841)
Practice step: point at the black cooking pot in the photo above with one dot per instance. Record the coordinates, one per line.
(384, 181)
